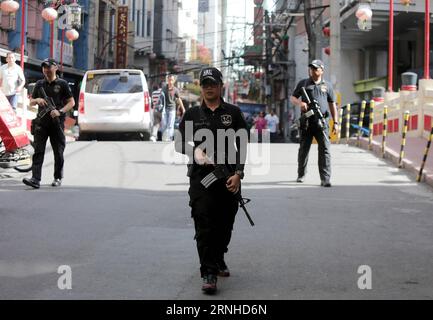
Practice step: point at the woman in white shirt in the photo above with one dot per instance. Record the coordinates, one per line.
(12, 79)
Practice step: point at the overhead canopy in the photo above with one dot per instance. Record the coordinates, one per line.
(184, 78)
(404, 23)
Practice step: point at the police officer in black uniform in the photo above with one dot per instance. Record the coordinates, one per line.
(51, 125)
(320, 90)
(213, 208)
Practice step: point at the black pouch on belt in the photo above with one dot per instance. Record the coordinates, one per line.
(33, 127)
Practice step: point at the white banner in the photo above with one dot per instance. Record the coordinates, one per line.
(68, 52)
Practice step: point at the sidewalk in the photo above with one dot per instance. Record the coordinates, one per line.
(413, 154)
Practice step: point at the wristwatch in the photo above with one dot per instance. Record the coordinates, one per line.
(62, 112)
(240, 173)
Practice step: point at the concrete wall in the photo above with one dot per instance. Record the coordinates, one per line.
(350, 72)
(301, 57)
(381, 63)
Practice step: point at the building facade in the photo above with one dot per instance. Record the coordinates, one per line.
(74, 57)
(212, 26)
(363, 62)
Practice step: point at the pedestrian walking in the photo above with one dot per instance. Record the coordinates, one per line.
(49, 122)
(12, 79)
(322, 92)
(272, 121)
(260, 124)
(171, 102)
(215, 127)
(157, 106)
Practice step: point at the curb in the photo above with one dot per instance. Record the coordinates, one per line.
(394, 156)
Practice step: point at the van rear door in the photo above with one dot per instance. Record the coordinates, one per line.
(114, 97)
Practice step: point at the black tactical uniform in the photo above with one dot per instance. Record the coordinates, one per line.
(214, 208)
(324, 94)
(48, 127)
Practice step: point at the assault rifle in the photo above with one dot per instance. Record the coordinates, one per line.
(49, 107)
(313, 110)
(222, 172)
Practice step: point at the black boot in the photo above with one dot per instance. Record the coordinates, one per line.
(223, 270)
(32, 182)
(209, 283)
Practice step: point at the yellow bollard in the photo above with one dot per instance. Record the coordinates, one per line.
(370, 124)
(427, 148)
(361, 121)
(340, 121)
(347, 123)
(403, 138)
(384, 133)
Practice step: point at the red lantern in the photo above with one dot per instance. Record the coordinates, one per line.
(328, 51)
(364, 12)
(49, 14)
(9, 6)
(326, 31)
(406, 3)
(72, 34)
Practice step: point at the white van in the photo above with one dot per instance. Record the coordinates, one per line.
(114, 101)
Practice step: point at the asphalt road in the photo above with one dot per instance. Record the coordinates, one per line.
(121, 221)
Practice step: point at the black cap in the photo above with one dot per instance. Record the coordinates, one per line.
(48, 62)
(317, 64)
(212, 74)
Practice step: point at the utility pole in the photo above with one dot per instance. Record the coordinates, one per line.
(310, 30)
(268, 43)
(335, 56)
(229, 69)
